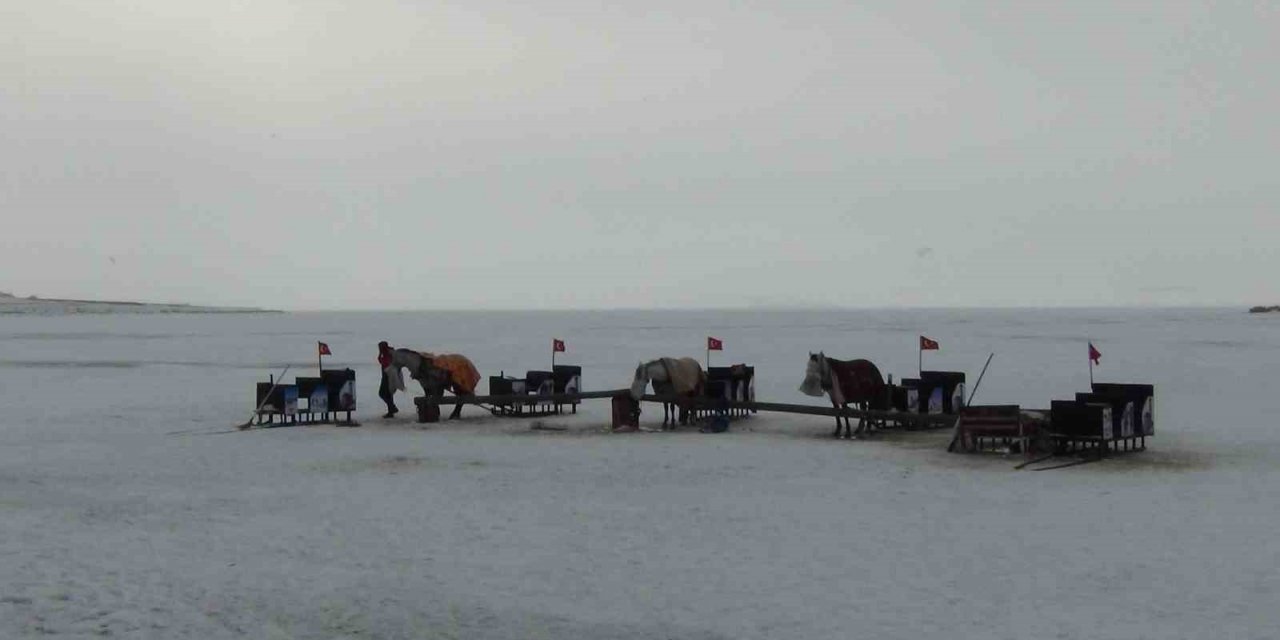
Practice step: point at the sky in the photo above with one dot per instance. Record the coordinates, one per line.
(694, 153)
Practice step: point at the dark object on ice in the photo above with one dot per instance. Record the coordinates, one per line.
(429, 411)
(1272, 309)
(718, 424)
(626, 412)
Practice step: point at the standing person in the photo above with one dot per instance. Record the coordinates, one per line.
(385, 391)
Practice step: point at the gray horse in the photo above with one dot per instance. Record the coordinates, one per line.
(433, 379)
(681, 377)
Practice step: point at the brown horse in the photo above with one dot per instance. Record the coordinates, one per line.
(846, 382)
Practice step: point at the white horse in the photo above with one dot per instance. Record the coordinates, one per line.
(681, 377)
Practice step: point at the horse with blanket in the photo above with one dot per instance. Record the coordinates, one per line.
(846, 382)
(436, 372)
(682, 377)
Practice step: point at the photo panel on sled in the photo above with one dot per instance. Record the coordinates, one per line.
(1144, 403)
(341, 386)
(905, 396)
(568, 378)
(315, 392)
(941, 391)
(1121, 411)
(542, 383)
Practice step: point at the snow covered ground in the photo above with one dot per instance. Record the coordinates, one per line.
(125, 512)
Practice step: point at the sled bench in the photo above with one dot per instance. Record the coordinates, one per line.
(991, 425)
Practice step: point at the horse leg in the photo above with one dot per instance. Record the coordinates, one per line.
(457, 408)
(838, 425)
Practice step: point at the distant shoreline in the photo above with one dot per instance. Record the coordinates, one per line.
(35, 305)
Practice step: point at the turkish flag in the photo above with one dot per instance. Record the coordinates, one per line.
(714, 344)
(557, 345)
(928, 345)
(1094, 355)
(324, 349)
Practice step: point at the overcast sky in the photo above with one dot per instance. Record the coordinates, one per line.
(567, 153)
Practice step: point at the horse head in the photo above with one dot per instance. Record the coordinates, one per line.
(640, 381)
(816, 375)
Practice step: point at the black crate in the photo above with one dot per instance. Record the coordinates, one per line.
(1073, 418)
(501, 386)
(718, 389)
(307, 386)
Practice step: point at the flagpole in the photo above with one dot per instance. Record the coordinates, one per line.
(319, 359)
(920, 360)
(553, 354)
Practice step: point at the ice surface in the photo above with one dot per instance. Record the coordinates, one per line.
(122, 512)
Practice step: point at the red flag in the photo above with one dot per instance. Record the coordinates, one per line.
(1094, 354)
(928, 345)
(714, 344)
(557, 345)
(324, 349)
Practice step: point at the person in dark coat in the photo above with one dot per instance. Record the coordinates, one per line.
(384, 388)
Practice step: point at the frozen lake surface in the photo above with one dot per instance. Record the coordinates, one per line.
(123, 513)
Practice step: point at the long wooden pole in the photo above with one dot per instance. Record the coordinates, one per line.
(975, 385)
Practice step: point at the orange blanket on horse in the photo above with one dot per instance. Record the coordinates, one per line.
(463, 375)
